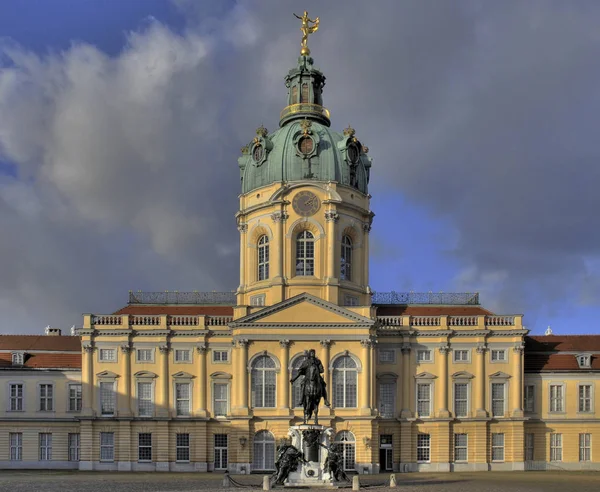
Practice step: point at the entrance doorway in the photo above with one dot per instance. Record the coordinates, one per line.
(386, 453)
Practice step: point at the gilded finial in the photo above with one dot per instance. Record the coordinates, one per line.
(349, 132)
(306, 31)
(305, 125)
(262, 131)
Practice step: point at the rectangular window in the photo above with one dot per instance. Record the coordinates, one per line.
(221, 458)
(18, 358)
(220, 356)
(529, 439)
(498, 355)
(182, 355)
(143, 355)
(585, 397)
(424, 399)
(350, 300)
(107, 446)
(461, 355)
(498, 399)
(144, 397)
(497, 447)
(386, 356)
(16, 446)
(585, 447)
(460, 447)
(424, 356)
(16, 397)
(182, 447)
(45, 446)
(423, 448)
(107, 398)
(182, 399)
(107, 355)
(257, 300)
(555, 447)
(461, 399)
(46, 397)
(557, 403)
(529, 398)
(144, 446)
(74, 398)
(74, 442)
(220, 403)
(387, 397)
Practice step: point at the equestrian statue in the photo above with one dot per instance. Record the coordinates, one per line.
(313, 386)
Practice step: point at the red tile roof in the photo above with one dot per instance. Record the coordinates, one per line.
(40, 342)
(547, 353)
(413, 310)
(44, 361)
(183, 310)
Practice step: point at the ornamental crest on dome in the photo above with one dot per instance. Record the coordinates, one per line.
(306, 126)
(262, 131)
(349, 131)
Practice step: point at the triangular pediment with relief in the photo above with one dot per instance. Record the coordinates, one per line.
(301, 310)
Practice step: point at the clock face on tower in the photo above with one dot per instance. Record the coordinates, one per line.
(306, 203)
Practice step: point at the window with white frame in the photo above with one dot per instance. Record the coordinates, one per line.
(46, 397)
(107, 398)
(529, 443)
(305, 254)
(557, 398)
(263, 382)
(182, 399)
(424, 356)
(144, 446)
(350, 300)
(263, 258)
(498, 355)
(264, 451)
(346, 258)
(498, 399)
(221, 356)
(16, 397)
(555, 447)
(585, 447)
(585, 398)
(529, 398)
(144, 355)
(423, 448)
(348, 442)
(74, 445)
(387, 399)
(107, 355)
(220, 400)
(18, 358)
(107, 446)
(387, 356)
(16, 446)
(461, 447)
(221, 452)
(584, 361)
(461, 399)
(75, 397)
(182, 448)
(145, 400)
(424, 399)
(258, 300)
(183, 355)
(345, 380)
(497, 446)
(460, 355)
(45, 441)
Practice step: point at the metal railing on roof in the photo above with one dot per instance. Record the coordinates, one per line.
(447, 298)
(176, 297)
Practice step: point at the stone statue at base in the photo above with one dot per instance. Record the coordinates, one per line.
(334, 463)
(288, 459)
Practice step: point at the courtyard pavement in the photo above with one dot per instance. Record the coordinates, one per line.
(57, 481)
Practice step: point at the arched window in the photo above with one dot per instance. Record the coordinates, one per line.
(348, 441)
(264, 451)
(296, 387)
(345, 376)
(346, 259)
(305, 254)
(263, 382)
(263, 258)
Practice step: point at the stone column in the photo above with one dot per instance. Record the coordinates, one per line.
(243, 374)
(517, 384)
(406, 380)
(87, 379)
(331, 217)
(364, 388)
(125, 397)
(284, 377)
(164, 402)
(443, 386)
(201, 349)
(480, 377)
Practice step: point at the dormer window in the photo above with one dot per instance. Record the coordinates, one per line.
(18, 358)
(584, 361)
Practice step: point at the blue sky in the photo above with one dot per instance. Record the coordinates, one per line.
(123, 122)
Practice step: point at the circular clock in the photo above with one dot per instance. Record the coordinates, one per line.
(306, 203)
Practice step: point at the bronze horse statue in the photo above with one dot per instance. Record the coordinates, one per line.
(313, 386)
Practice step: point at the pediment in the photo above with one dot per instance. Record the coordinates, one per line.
(182, 375)
(462, 375)
(389, 376)
(500, 375)
(303, 309)
(220, 375)
(145, 374)
(107, 375)
(425, 376)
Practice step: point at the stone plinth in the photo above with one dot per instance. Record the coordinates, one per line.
(311, 474)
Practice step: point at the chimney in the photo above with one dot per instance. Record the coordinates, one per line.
(53, 332)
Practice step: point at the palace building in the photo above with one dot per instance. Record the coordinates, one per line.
(191, 381)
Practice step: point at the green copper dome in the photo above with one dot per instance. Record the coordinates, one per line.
(304, 147)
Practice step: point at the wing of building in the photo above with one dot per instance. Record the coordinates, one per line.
(195, 381)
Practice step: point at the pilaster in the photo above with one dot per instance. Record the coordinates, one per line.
(481, 383)
(325, 411)
(241, 379)
(284, 378)
(201, 349)
(87, 374)
(364, 389)
(164, 403)
(406, 381)
(517, 384)
(125, 398)
(443, 384)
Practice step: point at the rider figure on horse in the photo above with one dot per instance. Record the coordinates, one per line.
(311, 360)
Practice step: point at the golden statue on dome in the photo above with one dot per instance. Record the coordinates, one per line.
(306, 30)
